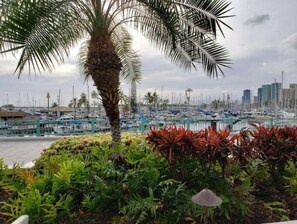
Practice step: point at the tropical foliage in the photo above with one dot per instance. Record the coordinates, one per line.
(42, 32)
(138, 183)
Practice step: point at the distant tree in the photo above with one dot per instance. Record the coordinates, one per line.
(148, 99)
(96, 100)
(217, 104)
(156, 100)
(164, 104)
(72, 103)
(54, 104)
(8, 106)
(151, 99)
(83, 100)
(133, 98)
(125, 101)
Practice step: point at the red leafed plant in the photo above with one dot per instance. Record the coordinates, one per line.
(209, 146)
(217, 148)
(173, 142)
(276, 146)
(242, 147)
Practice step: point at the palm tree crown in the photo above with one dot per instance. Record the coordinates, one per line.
(43, 31)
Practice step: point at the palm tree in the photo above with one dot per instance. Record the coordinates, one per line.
(83, 100)
(43, 31)
(149, 99)
(156, 99)
(125, 101)
(164, 104)
(133, 98)
(54, 104)
(72, 103)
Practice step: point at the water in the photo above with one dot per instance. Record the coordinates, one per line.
(77, 127)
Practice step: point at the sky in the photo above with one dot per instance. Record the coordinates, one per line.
(262, 45)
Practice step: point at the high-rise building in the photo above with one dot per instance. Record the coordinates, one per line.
(275, 93)
(246, 98)
(266, 95)
(259, 102)
(293, 86)
(289, 98)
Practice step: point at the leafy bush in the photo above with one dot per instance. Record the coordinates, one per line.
(139, 208)
(139, 183)
(85, 143)
(42, 208)
(174, 143)
(177, 144)
(276, 146)
(243, 147)
(217, 148)
(291, 176)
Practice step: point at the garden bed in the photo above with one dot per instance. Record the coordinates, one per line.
(150, 179)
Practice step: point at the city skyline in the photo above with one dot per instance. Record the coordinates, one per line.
(263, 43)
(246, 98)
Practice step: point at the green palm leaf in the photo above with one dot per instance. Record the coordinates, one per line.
(41, 33)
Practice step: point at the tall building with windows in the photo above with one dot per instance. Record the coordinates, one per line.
(246, 99)
(289, 98)
(259, 102)
(266, 95)
(275, 93)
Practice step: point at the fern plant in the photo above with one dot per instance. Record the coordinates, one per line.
(277, 207)
(140, 209)
(41, 208)
(291, 176)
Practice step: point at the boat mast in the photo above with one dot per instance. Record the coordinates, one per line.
(281, 91)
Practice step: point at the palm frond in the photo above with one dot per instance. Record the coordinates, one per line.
(42, 30)
(211, 12)
(82, 60)
(131, 70)
(194, 27)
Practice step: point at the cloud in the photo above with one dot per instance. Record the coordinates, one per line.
(291, 41)
(257, 19)
(258, 58)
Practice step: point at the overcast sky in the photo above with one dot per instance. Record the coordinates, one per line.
(263, 43)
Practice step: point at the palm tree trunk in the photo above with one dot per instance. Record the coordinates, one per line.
(104, 66)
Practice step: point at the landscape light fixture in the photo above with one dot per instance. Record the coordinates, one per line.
(188, 91)
(206, 198)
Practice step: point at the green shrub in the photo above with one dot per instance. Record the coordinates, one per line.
(41, 208)
(140, 209)
(85, 143)
(133, 181)
(291, 176)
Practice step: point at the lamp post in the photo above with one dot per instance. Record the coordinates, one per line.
(48, 97)
(88, 105)
(188, 92)
(74, 105)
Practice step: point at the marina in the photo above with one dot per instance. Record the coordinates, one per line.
(60, 127)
